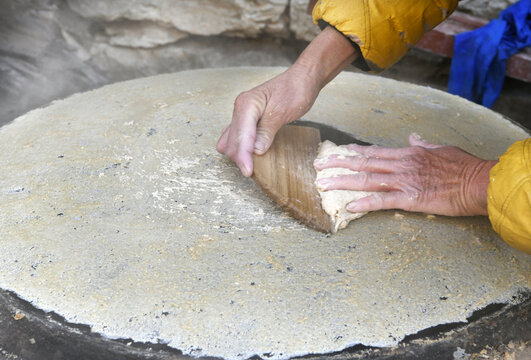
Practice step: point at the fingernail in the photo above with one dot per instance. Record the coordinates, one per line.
(319, 162)
(259, 146)
(353, 206)
(246, 171)
(322, 184)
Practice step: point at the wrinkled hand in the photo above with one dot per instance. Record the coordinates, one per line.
(260, 112)
(425, 177)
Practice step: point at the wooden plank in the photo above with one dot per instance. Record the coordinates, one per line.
(286, 174)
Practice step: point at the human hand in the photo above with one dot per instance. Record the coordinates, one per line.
(424, 177)
(260, 112)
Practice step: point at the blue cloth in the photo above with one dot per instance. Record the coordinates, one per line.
(478, 66)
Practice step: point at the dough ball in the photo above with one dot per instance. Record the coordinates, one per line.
(334, 202)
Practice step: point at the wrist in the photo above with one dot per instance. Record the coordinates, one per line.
(479, 183)
(326, 56)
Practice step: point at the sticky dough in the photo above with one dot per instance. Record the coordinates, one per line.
(334, 202)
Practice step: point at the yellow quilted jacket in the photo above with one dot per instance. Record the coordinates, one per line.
(509, 196)
(384, 30)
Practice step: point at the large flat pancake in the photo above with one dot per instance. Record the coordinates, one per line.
(117, 212)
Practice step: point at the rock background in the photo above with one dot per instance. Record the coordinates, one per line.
(485, 8)
(52, 48)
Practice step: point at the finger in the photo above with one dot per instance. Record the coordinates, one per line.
(242, 133)
(380, 201)
(357, 163)
(362, 181)
(222, 142)
(380, 151)
(240, 145)
(416, 140)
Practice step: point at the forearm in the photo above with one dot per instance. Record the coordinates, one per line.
(383, 31)
(326, 56)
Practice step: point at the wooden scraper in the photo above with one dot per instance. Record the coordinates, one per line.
(286, 173)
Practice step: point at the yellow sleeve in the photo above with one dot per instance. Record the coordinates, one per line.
(509, 196)
(383, 29)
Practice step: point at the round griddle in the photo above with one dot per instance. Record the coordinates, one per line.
(120, 221)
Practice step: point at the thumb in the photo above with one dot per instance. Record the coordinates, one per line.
(265, 134)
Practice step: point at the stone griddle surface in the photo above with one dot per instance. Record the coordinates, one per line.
(116, 212)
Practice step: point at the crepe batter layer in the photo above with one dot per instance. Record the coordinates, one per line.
(117, 212)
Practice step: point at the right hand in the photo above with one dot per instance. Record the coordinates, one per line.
(424, 177)
(260, 112)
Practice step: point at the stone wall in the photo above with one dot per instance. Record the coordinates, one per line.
(52, 48)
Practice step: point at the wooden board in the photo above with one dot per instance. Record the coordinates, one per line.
(286, 173)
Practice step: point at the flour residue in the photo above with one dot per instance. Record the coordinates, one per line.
(204, 184)
(220, 269)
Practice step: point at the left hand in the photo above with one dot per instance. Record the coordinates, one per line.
(260, 112)
(424, 177)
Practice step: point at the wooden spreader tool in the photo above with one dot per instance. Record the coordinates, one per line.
(286, 173)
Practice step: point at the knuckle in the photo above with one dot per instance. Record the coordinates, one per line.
(230, 153)
(417, 159)
(362, 178)
(354, 147)
(220, 148)
(418, 151)
(372, 149)
(408, 162)
(362, 161)
(407, 182)
(242, 99)
(376, 199)
(412, 195)
(265, 132)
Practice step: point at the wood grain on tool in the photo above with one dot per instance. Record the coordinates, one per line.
(286, 173)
